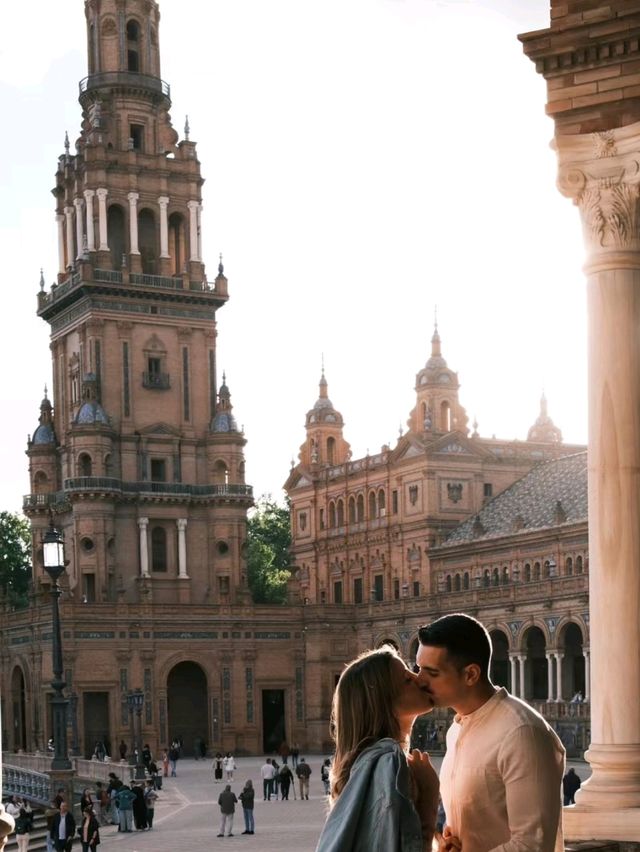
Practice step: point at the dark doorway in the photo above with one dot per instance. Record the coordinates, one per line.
(18, 705)
(500, 659)
(573, 679)
(273, 727)
(96, 721)
(536, 674)
(116, 235)
(187, 705)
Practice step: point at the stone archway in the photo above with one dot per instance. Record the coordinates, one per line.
(570, 642)
(187, 705)
(500, 674)
(536, 681)
(18, 710)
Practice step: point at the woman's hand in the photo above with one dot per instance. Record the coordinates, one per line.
(427, 790)
(447, 842)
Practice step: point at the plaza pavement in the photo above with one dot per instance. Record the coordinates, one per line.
(187, 816)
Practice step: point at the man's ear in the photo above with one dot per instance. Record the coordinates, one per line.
(472, 674)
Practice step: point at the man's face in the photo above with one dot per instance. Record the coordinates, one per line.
(439, 676)
(63, 808)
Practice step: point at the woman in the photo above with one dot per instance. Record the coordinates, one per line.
(165, 763)
(85, 800)
(217, 767)
(324, 775)
(229, 764)
(382, 798)
(89, 831)
(24, 822)
(247, 796)
(139, 808)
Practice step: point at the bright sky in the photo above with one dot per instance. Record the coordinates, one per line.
(365, 161)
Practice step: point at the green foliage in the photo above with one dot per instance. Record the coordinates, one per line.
(15, 558)
(268, 542)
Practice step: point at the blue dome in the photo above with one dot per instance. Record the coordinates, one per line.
(224, 422)
(91, 413)
(44, 435)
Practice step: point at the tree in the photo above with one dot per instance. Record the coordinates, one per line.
(15, 558)
(268, 542)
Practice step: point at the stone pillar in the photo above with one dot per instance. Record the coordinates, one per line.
(91, 237)
(61, 263)
(143, 523)
(522, 659)
(587, 676)
(102, 219)
(181, 523)
(193, 230)
(514, 674)
(163, 202)
(549, 657)
(68, 214)
(77, 203)
(133, 222)
(559, 658)
(601, 173)
(199, 227)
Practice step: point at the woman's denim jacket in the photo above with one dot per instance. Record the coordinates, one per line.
(375, 812)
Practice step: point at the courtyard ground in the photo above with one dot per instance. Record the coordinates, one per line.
(188, 816)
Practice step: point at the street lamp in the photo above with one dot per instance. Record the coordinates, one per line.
(54, 563)
(135, 700)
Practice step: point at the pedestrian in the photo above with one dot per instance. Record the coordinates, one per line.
(155, 775)
(165, 763)
(122, 748)
(197, 744)
(324, 775)
(59, 798)
(276, 779)
(174, 754)
(570, 785)
(247, 797)
(229, 764)
(285, 776)
(267, 772)
(50, 814)
(150, 799)
(139, 807)
(114, 786)
(125, 798)
(303, 771)
(101, 804)
(295, 751)
(63, 829)
(227, 801)
(13, 806)
(146, 756)
(89, 831)
(86, 801)
(24, 823)
(284, 751)
(217, 767)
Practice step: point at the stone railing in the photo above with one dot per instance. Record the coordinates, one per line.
(110, 484)
(28, 774)
(125, 79)
(27, 783)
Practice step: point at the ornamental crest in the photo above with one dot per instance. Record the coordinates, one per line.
(454, 490)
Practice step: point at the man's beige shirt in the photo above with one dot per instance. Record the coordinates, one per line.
(501, 779)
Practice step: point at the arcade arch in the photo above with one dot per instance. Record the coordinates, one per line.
(187, 704)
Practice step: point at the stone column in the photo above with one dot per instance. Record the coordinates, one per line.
(163, 202)
(522, 659)
(102, 219)
(143, 523)
(601, 173)
(181, 523)
(77, 203)
(61, 264)
(199, 227)
(68, 214)
(193, 230)
(549, 657)
(514, 674)
(91, 237)
(133, 222)
(587, 676)
(559, 657)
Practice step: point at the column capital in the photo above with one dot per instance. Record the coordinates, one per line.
(78, 202)
(59, 217)
(559, 655)
(193, 205)
(68, 210)
(133, 197)
(181, 523)
(143, 522)
(89, 193)
(102, 193)
(163, 201)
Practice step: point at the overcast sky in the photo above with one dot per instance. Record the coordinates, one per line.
(365, 160)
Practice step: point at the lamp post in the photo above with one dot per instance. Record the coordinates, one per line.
(54, 564)
(135, 700)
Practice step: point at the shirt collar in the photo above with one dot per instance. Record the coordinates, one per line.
(484, 709)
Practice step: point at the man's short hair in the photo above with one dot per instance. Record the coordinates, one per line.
(465, 639)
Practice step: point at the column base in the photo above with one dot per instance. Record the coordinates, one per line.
(615, 781)
(619, 824)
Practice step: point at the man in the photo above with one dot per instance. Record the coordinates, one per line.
(124, 799)
(303, 771)
(63, 829)
(501, 775)
(267, 772)
(570, 785)
(227, 801)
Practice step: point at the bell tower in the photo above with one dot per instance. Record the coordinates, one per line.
(325, 444)
(147, 486)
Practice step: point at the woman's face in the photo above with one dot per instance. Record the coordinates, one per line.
(411, 698)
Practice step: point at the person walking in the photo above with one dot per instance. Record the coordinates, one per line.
(63, 829)
(295, 752)
(227, 801)
(286, 777)
(139, 808)
(276, 777)
(303, 771)
(217, 767)
(247, 797)
(165, 763)
(101, 804)
(150, 798)
(229, 764)
(570, 785)
(174, 754)
(24, 823)
(324, 775)
(89, 831)
(267, 772)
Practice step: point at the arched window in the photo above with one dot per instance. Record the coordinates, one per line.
(177, 243)
(372, 506)
(84, 464)
(40, 482)
(465, 580)
(527, 572)
(352, 510)
(158, 549)
(448, 583)
(133, 46)
(486, 578)
(457, 583)
(147, 241)
(568, 566)
(546, 569)
(445, 417)
(496, 577)
(579, 565)
(340, 513)
(116, 235)
(332, 514)
(505, 574)
(331, 450)
(221, 473)
(382, 503)
(360, 508)
(536, 572)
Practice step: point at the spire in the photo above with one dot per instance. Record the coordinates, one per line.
(323, 384)
(544, 430)
(220, 266)
(187, 129)
(41, 290)
(66, 143)
(435, 340)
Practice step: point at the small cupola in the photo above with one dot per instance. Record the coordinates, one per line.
(544, 431)
(45, 433)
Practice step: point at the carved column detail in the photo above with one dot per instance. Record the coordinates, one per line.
(143, 523)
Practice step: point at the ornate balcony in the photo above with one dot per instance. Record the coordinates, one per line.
(156, 381)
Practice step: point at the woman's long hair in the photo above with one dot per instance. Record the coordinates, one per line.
(362, 711)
